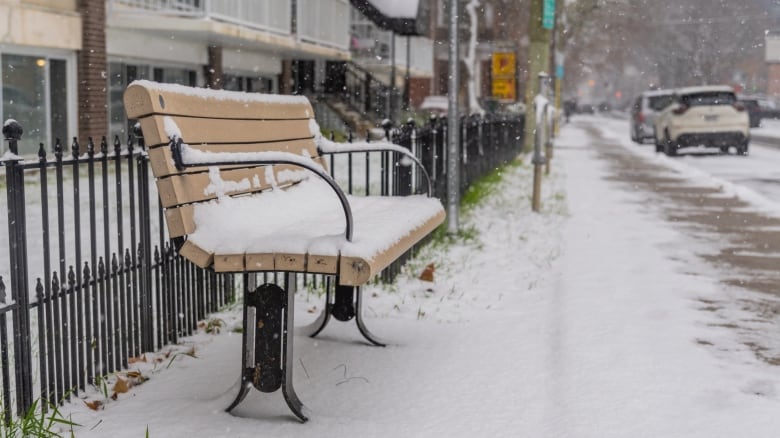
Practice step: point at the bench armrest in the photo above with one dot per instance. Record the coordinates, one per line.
(239, 158)
(325, 146)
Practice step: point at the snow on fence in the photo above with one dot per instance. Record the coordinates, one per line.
(88, 278)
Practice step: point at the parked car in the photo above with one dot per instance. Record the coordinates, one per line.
(643, 113)
(586, 108)
(770, 109)
(706, 115)
(753, 109)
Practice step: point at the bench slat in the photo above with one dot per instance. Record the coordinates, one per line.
(142, 100)
(195, 187)
(162, 160)
(202, 130)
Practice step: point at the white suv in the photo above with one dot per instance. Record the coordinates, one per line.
(706, 115)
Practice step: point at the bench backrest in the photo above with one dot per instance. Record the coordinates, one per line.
(217, 121)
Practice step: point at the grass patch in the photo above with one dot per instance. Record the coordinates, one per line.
(486, 185)
(35, 422)
(338, 136)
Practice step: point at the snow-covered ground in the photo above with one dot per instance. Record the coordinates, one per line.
(581, 321)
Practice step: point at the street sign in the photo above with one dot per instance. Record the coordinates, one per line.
(548, 14)
(559, 71)
(503, 75)
(504, 88)
(503, 64)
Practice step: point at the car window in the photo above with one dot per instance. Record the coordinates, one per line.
(709, 98)
(657, 103)
(750, 103)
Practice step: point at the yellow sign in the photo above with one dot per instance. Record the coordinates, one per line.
(504, 88)
(503, 64)
(504, 75)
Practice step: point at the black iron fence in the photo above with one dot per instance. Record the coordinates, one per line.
(93, 280)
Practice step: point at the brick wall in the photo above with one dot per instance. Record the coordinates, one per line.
(773, 82)
(419, 88)
(92, 71)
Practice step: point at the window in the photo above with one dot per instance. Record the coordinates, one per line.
(711, 98)
(252, 84)
(35, 93)
(122, 74)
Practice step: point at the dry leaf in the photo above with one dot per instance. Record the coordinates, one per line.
(121, 386)
(427, 274)
(141, 358)
(94, 405)
(114, 396)
(134, 374)
(312, 309)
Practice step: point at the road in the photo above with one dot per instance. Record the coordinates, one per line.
(758, 172)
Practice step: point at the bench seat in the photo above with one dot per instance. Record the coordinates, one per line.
(306, 234)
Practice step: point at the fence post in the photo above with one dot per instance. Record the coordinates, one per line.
(404, 183)
(145, 213)
(538, 160)
(12, 132)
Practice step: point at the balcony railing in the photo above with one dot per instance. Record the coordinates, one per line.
(324, 22)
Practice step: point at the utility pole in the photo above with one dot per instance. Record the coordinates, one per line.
(453, 127)
(538, 61)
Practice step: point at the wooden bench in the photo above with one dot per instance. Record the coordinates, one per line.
(245, 187)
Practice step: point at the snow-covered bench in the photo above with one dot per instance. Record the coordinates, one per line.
(245, 189)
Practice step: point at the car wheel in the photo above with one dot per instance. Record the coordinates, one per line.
(724, 150)
(659, 146)
(670, 147)
(743, 148)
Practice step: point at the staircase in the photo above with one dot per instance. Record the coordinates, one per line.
(359, 98)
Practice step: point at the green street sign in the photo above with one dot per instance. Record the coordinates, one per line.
(548, 14)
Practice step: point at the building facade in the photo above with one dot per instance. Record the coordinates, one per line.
(65, 63)
(502, 27)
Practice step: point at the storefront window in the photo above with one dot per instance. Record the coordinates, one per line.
(24, 97)
(35, 93)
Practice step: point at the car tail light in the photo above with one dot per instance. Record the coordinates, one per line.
(641, 117)
(739, 107)
(680, 110)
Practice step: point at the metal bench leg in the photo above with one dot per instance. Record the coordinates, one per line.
(359, 320)
(267, 354)
(243, 389)
(347, 304)
(288, 390)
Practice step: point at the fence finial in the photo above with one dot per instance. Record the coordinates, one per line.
(12, 131)
(74, 148)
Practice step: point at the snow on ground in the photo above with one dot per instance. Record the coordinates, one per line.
(576, 322)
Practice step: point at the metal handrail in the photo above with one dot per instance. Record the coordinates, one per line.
(181, 165)
(378, 148)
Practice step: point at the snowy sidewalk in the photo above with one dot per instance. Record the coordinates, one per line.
(582, 321)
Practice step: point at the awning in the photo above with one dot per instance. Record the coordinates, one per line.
(404, 17)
